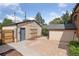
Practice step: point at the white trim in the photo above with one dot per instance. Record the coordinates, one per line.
(19, 33)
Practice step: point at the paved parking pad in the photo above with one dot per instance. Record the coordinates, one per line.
(49, 48)
(40, 48)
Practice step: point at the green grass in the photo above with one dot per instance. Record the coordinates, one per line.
(73, 48)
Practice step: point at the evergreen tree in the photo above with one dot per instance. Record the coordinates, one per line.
(66, 18)
(39, 19)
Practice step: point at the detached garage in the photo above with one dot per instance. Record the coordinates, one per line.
(62, 32)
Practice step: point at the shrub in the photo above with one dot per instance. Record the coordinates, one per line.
(73, 48)
(45, 32)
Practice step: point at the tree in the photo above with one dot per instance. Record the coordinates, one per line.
(0, 25)
(66, 17)
(45, 32)
(39, 19)
(56, 21)
(7, 21)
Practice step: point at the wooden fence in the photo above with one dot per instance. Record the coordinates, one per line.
(6, 36)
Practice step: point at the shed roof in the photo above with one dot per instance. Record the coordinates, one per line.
(23, 22)
(61, 26)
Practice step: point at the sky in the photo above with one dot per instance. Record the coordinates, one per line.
(48, 11)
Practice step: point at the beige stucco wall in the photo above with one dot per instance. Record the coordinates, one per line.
(61, 35)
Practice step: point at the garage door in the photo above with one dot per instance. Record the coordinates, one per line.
(61, 35)
(7, 36)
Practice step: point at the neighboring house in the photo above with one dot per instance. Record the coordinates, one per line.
(28, 29)
(75, 18)
(62, 32)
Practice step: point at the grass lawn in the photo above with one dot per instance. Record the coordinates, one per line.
(73, 48)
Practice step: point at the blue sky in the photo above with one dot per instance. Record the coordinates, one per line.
(48, 10)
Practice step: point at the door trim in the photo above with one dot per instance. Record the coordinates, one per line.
(24, 34)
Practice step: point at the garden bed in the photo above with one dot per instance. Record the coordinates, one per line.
(73, 48)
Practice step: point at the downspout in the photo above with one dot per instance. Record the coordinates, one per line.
(74, 36)
(1, 37)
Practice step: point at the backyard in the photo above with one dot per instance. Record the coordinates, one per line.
(39, 47)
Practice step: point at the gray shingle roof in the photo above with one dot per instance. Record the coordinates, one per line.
(24, 22)
(61, 26)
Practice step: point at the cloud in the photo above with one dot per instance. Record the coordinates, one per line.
(63, 12)
(18, 19)
(12, 6)
(62, 5)
(30, 18)
(8, 4)
(20, 11)
(54, 15)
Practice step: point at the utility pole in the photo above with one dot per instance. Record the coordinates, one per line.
(15, 17)
(25, 15)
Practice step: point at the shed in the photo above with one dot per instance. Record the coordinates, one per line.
(62, 32)
(29, 29)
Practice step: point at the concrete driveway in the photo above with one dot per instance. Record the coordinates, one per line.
(41, 47)
(49, 47)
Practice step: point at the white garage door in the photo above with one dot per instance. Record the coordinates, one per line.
(61, 35)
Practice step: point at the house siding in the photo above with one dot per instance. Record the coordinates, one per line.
(76, 20)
